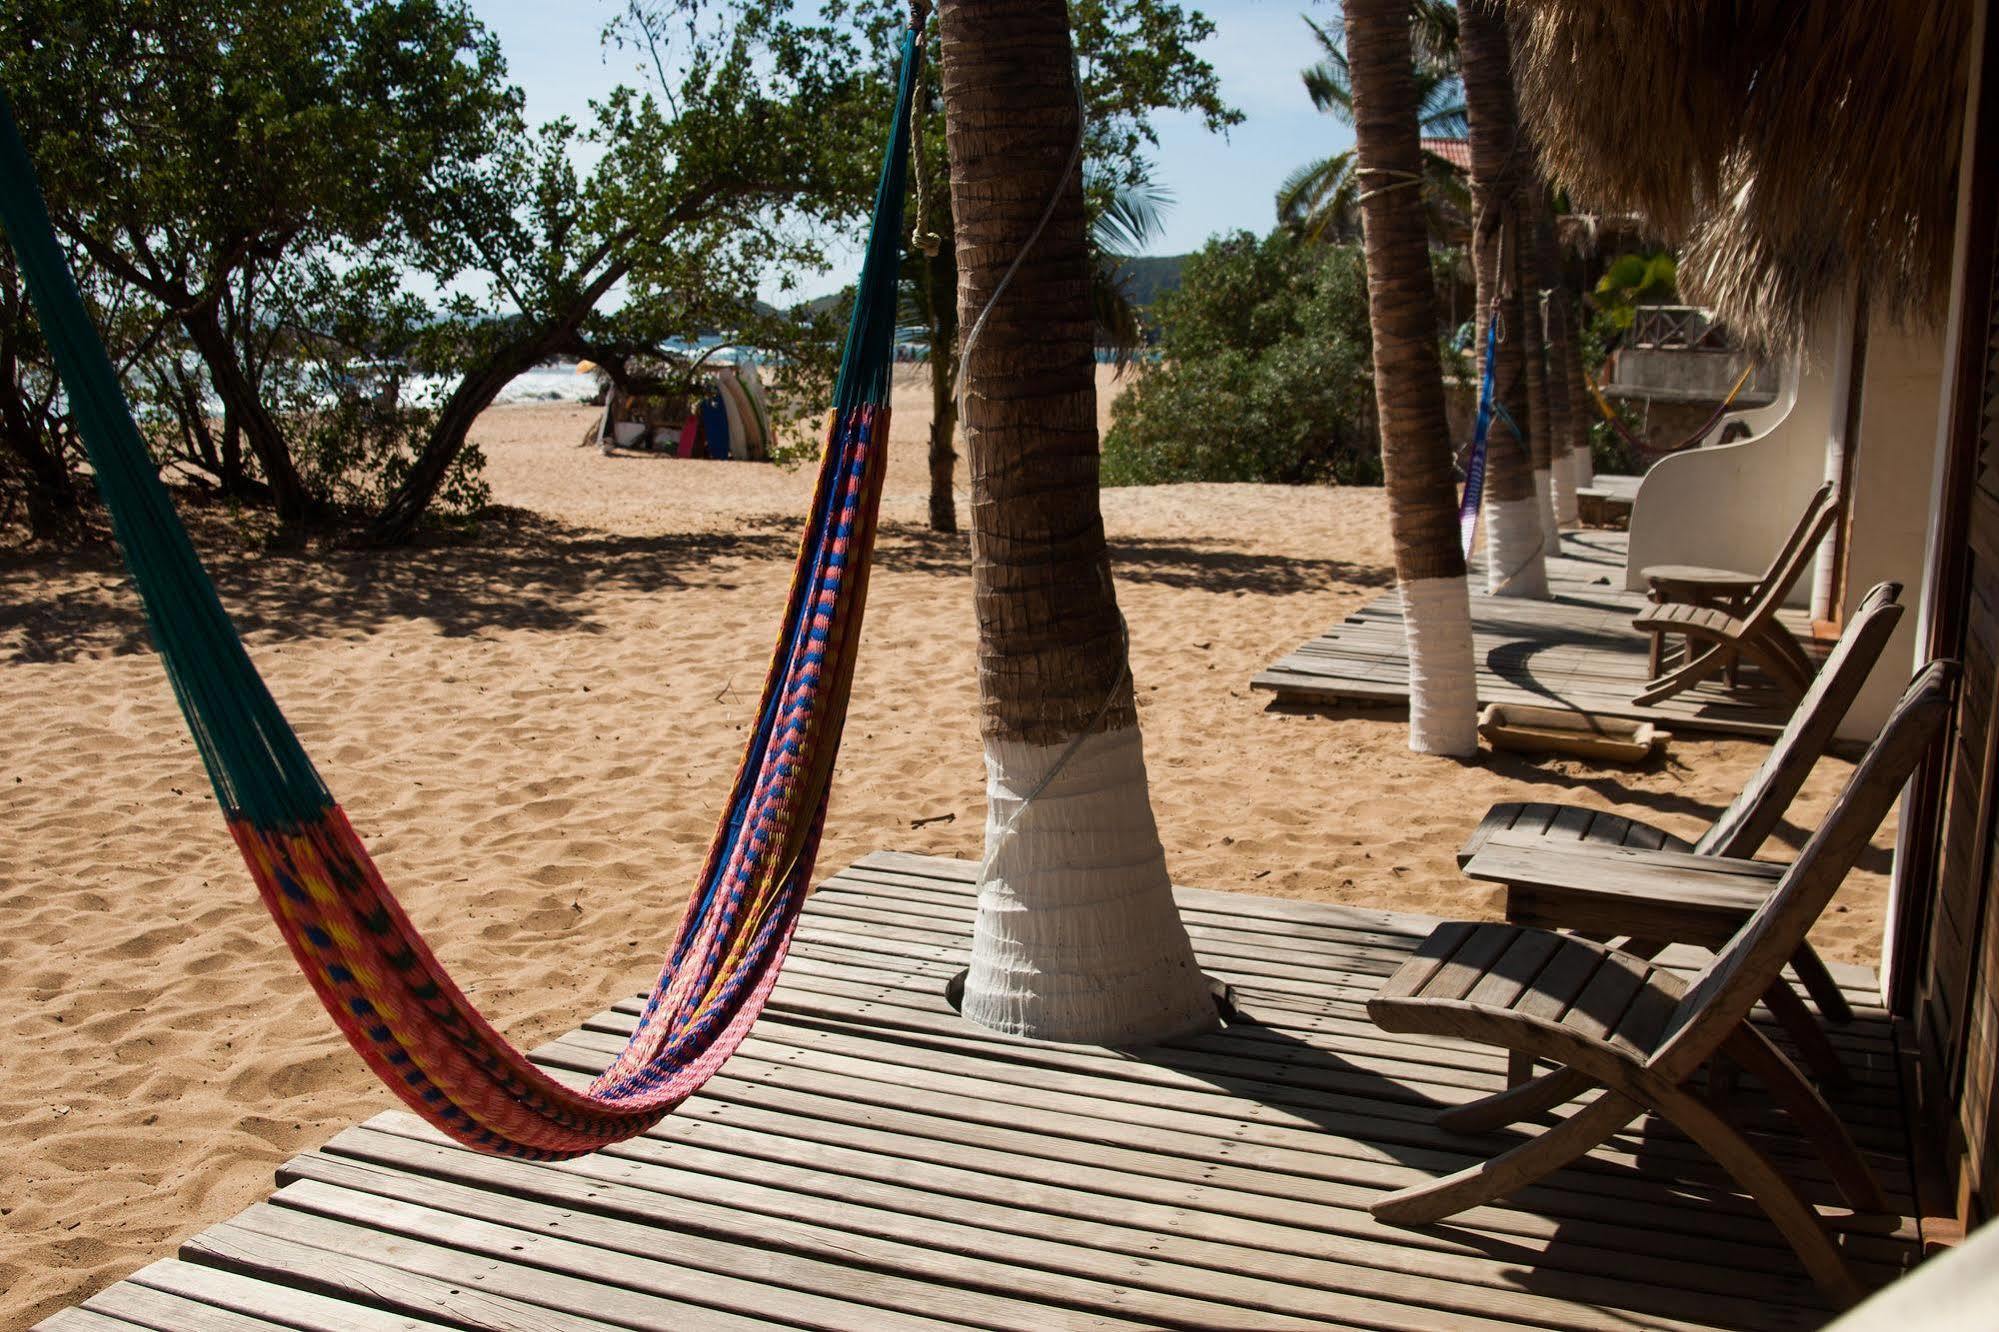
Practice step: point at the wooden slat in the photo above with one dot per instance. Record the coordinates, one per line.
(231, 1301)
(1578, 648)
(870, 1159)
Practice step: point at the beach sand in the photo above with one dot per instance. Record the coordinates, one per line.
(534, 731)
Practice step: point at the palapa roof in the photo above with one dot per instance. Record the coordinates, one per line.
(1789, 147)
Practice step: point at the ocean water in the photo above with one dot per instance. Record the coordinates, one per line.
(558, 383)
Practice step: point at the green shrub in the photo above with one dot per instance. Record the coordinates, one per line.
(1262, 372)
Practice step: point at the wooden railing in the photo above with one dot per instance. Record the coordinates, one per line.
(1678, 328)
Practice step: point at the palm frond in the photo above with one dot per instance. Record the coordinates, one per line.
(1321, 199)
(1132, 216)
(1119, 325)
(1329, 83)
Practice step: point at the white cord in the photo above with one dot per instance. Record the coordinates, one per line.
(1006, 829)
(1055, 198)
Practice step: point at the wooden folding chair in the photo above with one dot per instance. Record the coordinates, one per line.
(1614, 1021)
(1717, 638)
(1546, 886)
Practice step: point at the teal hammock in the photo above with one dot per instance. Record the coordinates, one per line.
(369, 965)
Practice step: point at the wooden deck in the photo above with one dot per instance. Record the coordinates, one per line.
(869, 1160)
(1577, 650)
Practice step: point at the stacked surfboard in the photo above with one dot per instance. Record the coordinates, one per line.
(731, 422)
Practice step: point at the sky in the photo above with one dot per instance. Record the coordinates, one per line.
(1216, 184)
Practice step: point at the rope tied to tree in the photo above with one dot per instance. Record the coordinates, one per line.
(928, 241)
(1407, 180)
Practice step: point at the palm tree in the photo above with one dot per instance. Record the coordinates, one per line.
(1409, 381)
(1319, 201)
(1516, 547)
(1077, 938)
(1558, 334)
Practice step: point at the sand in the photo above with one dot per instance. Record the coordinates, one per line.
(533, 732)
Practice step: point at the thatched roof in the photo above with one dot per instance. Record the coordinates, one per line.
(1789, 145)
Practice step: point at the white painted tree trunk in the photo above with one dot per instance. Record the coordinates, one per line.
(1077, 938)
(1544, 496)
(1515, 549)
(1563, 475)
(1443, 688)
(1584, 466)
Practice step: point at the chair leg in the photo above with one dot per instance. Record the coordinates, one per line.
(1481, 1183)
(1693, 669)
(1808, 1110)
(1526, 1096)
(1519, 1068)
(1762, 1181)
(1804, 1028)
(1813, 974)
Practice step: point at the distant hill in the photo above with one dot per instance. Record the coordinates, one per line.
(1152, 276)
(1146, 278)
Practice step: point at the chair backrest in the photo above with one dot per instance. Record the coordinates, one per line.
(1754, 814)
(1722, 995)
(1793, 556)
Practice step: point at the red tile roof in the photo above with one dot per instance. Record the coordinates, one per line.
(1455, 151)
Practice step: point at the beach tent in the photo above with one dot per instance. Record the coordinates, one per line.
(370, 967)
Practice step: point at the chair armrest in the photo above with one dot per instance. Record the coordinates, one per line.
(1674, 896)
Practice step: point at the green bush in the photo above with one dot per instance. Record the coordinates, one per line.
(1262, 372)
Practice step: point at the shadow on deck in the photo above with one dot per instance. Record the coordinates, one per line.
(1577, 650)
(870, 1160)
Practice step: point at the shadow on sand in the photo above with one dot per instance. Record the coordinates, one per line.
(524, 571)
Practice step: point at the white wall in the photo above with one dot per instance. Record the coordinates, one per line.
(1731, 506)
(1889, 507)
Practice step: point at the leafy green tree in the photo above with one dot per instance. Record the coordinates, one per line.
(189, 147)
(1263, 372)
(1321, 200)
(758, 134)
(1633, 280)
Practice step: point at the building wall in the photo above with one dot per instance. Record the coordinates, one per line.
(1730, 507)
(1894, 454)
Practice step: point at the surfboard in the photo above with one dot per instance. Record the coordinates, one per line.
(739, 435)
(751, 376)
(746, 413)
(715, 427)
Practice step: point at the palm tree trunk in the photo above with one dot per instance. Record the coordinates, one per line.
(1534, 348)
(1515, 547)
(1581, 459)
(1409, 384)
(1559, 329)
(940, 285)
(1077, 937)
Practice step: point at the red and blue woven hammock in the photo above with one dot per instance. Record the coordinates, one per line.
(364, 957)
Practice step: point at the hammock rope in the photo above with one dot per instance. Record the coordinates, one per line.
(369, 965)
(1616, 421)
(1475, 461)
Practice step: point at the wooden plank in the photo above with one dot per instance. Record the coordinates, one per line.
(1387, 928)
(967, 1116)
(83, 1320)
(1154, 1276)
(870, 1159)
(776, 1268)
(1242, 1060)
(1355, 1148)
(781, 1126)
(465, 1290)
(963, 1212)
(232, 1302)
